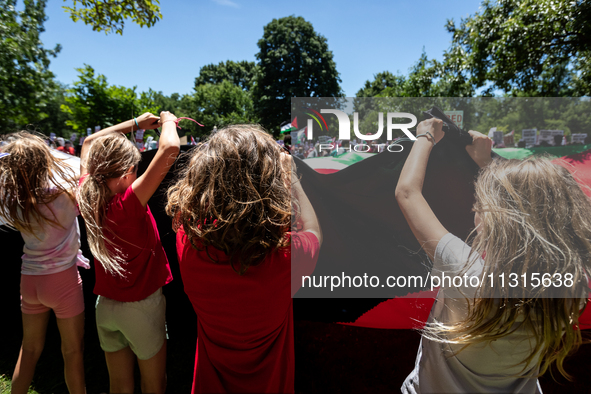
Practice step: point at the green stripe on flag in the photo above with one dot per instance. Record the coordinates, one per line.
(554, 151)
(349, 158)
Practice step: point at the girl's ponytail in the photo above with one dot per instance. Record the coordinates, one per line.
(110, 156)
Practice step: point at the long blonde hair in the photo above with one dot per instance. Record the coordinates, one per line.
(534, 219)
(31, 176)
(110, 156)
(233, 195)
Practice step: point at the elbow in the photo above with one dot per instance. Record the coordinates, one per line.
(403, 193)
(170, 149)
(86, 144)
(406, 196)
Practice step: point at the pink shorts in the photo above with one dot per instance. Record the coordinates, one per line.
(61, 292)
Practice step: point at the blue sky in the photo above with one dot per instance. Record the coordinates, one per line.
(365, 38)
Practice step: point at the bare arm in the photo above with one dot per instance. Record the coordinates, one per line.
(146, 121)
(409, 192)
(480, 148)
(168, 149)
(308, 216)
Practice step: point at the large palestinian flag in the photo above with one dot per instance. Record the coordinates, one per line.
(356, 356)
(409, 311)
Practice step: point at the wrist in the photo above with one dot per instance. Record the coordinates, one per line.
(428, 136)
(424, 143)
(484, 162)
(168, 121)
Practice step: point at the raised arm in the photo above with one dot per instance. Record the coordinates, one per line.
(168, 149)
(145, 121)
(308, 216)
(480, 148)
(409, 192)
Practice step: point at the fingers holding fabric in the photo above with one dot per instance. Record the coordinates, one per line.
(480, 149)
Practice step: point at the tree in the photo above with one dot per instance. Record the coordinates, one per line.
(381, 81)
(219, 105)
(242, 74)
(26, 84)
(93, 102)
(54, 119)
(110, 15)
(520, 47)
(512, 45)
(159, 102)
(426, 78)
(294, 61)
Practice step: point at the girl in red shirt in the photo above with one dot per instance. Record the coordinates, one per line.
(123, 237)
(232, 213)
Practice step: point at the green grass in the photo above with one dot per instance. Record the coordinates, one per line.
(5, 385)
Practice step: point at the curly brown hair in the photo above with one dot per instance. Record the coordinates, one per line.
(234, 196)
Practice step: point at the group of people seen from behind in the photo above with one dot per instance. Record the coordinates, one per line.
(244, 226)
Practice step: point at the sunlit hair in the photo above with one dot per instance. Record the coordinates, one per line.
(31, 176)
(110, 156)
(535, 219)
(234, 196)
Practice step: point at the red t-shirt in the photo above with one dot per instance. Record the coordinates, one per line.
(70, 150)
(136, 235)
(244, 322)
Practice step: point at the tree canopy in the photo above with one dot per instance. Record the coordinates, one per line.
(512, 47)
(242, 74)
(110, 15)
(294, 61)
(525, 45)
(26, 84)
(426, 78)
(381, 81)
(220, 105)
(516, 47)
(93, 102)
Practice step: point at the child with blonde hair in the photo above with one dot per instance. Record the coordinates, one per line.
(532, 221)
(231, 208)
(130, 264)
(37, 199)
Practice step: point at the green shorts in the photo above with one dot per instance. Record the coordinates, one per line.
(141, 325)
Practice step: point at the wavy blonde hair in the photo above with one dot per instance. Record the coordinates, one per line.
(110, 156)
(534, 218)
(31, 176)
(233, 195)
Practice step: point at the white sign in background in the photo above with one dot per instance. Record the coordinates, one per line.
(457, 117)
(139, 135)
(548, 135)
(578, 138)
(529, 136)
